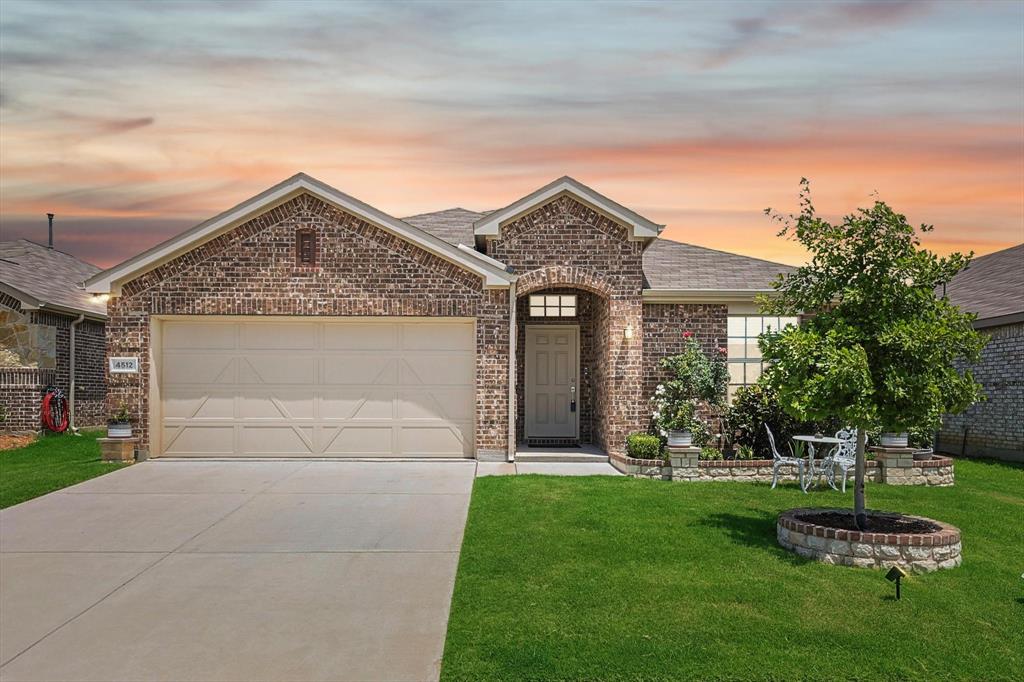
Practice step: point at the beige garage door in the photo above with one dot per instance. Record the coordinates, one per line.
(295, 388)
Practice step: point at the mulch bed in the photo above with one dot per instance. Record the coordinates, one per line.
(9, 441)
(877, 523)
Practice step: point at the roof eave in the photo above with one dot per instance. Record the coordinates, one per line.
(109, 281)
(29, 302)
(703, 295)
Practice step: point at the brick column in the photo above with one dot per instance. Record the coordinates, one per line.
(684, 462)
(626, 402)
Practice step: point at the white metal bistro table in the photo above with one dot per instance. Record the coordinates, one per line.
(809, 472)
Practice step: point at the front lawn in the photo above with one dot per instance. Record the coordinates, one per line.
(50, 463)
(615, 578)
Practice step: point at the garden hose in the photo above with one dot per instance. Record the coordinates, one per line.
(55, 410)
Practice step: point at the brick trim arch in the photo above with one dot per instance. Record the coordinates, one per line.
(563, 276)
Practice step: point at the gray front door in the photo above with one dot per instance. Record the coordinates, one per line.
(552, 386)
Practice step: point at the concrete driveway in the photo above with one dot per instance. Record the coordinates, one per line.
(172, 570)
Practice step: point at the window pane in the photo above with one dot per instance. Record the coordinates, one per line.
(736, 326)
(737, 349)
(569, 301)
(536, 312)
(753, 351)
(536, 300)
(552, 300)
(753, 372)
(736, 372)
(551, 311)
(783, 321)
(754, 326)
(568, 312)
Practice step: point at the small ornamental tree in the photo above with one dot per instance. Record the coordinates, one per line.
(881, 344)
(694, 378)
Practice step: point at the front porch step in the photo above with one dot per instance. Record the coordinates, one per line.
(561, 457)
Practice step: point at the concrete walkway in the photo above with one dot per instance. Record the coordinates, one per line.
(171, 570)
(549, 468)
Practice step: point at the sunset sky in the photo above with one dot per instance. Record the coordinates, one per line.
(134, 121)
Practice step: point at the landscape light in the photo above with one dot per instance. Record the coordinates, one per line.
(893, 576)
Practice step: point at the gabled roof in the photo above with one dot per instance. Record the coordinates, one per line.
(673, 267)
(109, 281)
(992, 287)
(47, 279)
(640, 227)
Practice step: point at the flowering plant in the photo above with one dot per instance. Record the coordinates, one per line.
(694, 378)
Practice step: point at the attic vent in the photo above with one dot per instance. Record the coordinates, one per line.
(305, 247)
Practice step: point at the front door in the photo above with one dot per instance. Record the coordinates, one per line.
(552, 386)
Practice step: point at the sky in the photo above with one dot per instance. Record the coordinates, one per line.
(134, 121)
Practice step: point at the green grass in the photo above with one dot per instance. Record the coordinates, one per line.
(50, 463)
(622, 579)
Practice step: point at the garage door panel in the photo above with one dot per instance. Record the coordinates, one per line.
(356, 404)
(431, 369)
(276, 404)
(360, 368)
(278, 441)
(279, 335)
(196, 368)
(334, 388)
(366, 336)
(192, 402)
(436, 404)
(192, 441)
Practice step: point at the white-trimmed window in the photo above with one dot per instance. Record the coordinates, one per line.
(745, 363)
(553, 305)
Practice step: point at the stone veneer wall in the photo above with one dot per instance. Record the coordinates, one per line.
(920, 553)
(752, 470)
(360, 270)
(567, 244)
(38, 355)
(994, 427)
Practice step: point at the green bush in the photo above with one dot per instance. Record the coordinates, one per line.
(757, 405)
(916, 437)
(643, 446)
(711, 453)
(744, 452)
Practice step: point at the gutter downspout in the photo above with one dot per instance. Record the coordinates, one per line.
(513, 333)
(71, 371)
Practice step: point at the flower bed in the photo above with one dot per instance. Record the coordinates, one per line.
(936, 546)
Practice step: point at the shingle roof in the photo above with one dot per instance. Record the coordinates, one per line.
(454, 225)
(992, 285)
(667, 264)
(36, 274)
(683, 267)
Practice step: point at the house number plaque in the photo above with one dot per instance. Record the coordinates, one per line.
(124, 365)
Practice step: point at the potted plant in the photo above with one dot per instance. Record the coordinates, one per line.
(694, 378)
(891, 439)
(119, 424)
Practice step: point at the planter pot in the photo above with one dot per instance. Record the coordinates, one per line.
(680, 439)
(120, 430)
(894, 440)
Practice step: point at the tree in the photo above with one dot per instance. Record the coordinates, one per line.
(880, 346)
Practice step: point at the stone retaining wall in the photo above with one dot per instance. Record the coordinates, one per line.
(920, 553)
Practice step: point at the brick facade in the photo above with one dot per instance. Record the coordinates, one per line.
(566, 244)
(361, 270)
(22, 387)
(995, 427)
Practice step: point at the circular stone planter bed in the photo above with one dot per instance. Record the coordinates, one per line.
(830, 535)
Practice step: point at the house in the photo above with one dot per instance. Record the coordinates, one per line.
(992, 287)
(51, 334)
(304, 322)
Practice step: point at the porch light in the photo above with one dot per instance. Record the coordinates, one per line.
(628, 333)
(101, 298)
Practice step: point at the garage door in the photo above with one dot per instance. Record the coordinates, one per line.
(294, 388)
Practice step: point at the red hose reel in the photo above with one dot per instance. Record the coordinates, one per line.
(55, 410)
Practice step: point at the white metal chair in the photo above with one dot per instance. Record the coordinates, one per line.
(842, 457)
(781, 461)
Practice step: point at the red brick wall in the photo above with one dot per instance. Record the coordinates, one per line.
(664, 325)
(90, 359)
(567, 244)
(361, 270)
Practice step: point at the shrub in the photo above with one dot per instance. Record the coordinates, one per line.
(744, 452)
(693, 379)
(757, 405)
(711, 453)
(643, 446)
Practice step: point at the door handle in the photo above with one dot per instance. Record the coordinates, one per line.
(572, 399)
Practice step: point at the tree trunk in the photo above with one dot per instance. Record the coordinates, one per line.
(860, 514)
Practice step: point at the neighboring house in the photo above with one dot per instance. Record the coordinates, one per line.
(992, 287)
(304, 322)
(43, 307)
